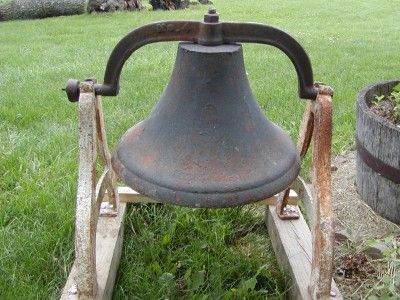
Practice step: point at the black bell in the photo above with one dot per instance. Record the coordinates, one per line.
(207, 143)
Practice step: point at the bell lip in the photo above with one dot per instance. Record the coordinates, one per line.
(206, 200)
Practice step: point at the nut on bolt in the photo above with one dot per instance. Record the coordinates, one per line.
(211, 16)
(72, 90)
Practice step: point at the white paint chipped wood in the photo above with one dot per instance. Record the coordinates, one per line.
(126, 194)
(109, 240)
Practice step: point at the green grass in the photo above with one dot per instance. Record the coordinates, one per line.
(168, 252)
(197, 254)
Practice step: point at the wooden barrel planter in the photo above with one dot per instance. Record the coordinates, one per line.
(378, 155)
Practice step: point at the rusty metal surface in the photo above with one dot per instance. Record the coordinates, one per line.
(306, 130)
(210, 32)
(105, 156)
(305, 135)
(207, 143)
(317, 125)
(283, 210)
(322, 231)
(376, 164)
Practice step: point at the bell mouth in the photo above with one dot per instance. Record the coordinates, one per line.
(210, 199)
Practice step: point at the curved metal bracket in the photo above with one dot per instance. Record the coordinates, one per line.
(263, 34)
(152, 33)
(210, 33)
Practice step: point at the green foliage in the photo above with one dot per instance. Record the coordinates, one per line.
(394, 97)
(381, 277)
(388, 286)
(197, 254)
(379, 99)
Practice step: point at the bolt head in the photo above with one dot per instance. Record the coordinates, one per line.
(72, 90)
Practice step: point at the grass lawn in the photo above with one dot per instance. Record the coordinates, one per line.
(168, 252)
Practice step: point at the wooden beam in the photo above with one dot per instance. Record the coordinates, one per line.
(128, 195)
(109, 237)
(292, 243)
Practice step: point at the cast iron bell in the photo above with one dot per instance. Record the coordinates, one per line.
(206, 143)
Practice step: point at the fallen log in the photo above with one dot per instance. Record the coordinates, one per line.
(35, 9)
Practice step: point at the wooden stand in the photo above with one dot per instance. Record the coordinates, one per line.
(101, 206)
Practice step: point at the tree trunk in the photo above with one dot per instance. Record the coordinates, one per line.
(33, 9)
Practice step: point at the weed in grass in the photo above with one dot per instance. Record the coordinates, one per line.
(362, 277)
(388, 283)
(388, 106)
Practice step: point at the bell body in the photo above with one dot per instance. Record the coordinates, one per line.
(207, 143)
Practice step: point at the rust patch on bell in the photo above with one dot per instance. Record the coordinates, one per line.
(148, 161)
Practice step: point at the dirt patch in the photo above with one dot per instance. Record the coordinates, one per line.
(351, 213)
(355, 266)
(388, 106)
(386, 109)
(355, 273)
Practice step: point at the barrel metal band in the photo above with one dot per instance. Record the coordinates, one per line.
(379, 166)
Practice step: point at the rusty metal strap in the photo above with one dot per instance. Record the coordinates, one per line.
(376, 164)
